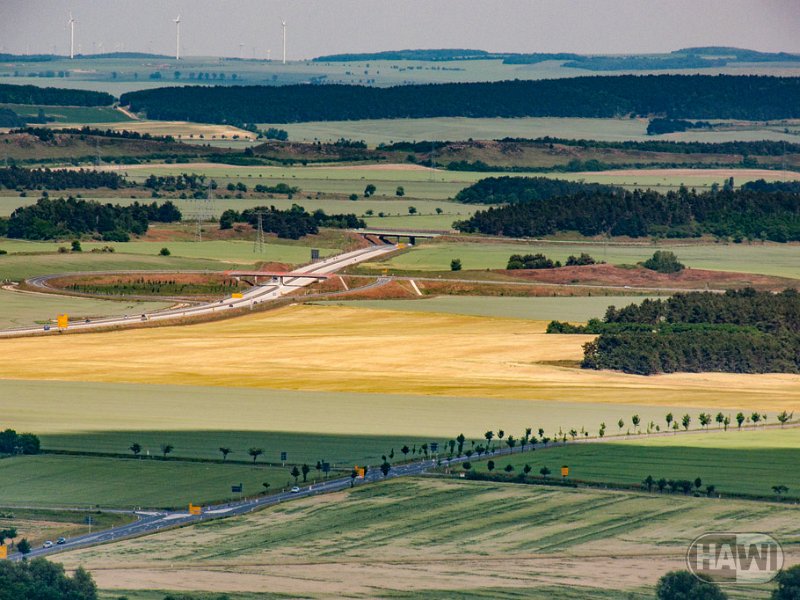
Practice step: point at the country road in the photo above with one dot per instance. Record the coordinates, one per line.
(249, 299)
(154, 521)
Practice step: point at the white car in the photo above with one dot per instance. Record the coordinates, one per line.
(47, 544)
(295, 490)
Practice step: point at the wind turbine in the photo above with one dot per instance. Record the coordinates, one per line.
(283, 24)
(177, 22)
(71, 22)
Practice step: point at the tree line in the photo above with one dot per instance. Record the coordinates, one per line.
(292, 223)
(31, 94)
(755, 147)
(742, 331)
(60, 218)
(743, 213)
(122, 134)
(672, 96)
(16, 178)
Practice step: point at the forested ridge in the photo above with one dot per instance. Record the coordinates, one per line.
(740, 331)
(31, 94)
(671, 96)
(743, 213)
(513, 190)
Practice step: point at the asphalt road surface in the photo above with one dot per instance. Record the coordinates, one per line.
(154, 521)
(256, 295)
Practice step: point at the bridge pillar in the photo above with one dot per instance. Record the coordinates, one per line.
(412, 240)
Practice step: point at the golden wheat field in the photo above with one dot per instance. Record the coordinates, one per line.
(344, 349)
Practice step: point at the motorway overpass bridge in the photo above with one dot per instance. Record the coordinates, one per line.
(398, 235)
(281, 277)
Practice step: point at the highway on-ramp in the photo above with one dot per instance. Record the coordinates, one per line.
(250, 298)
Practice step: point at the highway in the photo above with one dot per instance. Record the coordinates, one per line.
(249, 299)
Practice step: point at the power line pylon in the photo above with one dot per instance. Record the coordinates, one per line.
(258, 244)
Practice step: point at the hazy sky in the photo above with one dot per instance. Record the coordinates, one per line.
(315, 27)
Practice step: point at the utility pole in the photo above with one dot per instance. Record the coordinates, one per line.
(97, 146)
(258, 244)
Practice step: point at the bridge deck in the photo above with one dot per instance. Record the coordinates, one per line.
(281, 274)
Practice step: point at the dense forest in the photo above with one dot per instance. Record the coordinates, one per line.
(738, 214)
(31, 94)
(292, 223)
(15, 178)
(760, 185)
(671, 96)
(514, 190)
(742, 331)
(51, 219)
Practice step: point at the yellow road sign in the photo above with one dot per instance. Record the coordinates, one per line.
(195, 510)
(565, 471)
(236, 295)
(63, 321)
(3, 551)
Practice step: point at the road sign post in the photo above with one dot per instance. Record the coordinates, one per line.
(283, 458)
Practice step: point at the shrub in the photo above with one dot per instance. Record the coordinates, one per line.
(663, 261)
(164, 252)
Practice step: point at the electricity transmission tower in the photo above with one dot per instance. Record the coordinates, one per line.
(258, 243)
(204, 211)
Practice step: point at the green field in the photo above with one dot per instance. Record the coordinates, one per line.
(20, 309)
(768, 259)
(530, 542)
(71, 114)
(48, 480)
(387, 131)
(341, 451)
(538, 309)
(395, 210)
(741, 462)
(340, 427)
(16, 267)
(39, 258)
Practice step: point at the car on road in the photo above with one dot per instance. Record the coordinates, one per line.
(47, 544)
(295, 490)
(61, 540)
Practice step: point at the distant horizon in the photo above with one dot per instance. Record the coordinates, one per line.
(491, 53)
(251, 28)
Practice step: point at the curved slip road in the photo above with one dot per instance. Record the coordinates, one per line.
(256, 295)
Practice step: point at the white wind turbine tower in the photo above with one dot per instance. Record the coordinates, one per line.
(71, 22)
(177, 22)
(283, 24)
